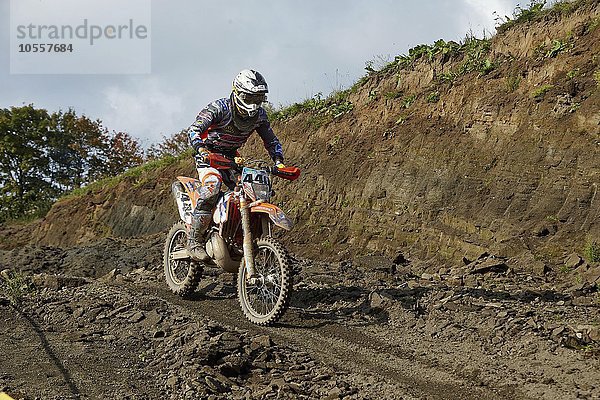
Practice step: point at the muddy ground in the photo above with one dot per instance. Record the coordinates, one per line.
(100, 323)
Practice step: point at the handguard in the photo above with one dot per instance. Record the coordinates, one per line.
(289, 173)
(220, 162)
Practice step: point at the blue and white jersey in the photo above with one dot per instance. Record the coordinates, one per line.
(217, 130)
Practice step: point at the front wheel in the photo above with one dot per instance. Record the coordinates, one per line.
(266, 297)
(183, 275)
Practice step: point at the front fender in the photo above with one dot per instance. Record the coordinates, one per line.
(275, 213)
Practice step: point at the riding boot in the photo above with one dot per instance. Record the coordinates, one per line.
(197, 236)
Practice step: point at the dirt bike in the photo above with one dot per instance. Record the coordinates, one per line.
(239, 238)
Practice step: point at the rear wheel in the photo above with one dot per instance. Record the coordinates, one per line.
(266, 297)
(182, 276)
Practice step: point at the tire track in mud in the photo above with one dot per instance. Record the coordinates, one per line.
(346, 348)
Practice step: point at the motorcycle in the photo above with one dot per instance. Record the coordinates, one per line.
(239, 239)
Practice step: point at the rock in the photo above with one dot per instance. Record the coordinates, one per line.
(296, 387)
(583, 301)
(111, 276)
(489, 265)
(470, 281)
(229, 369)
(588, 333)
(399, 258)
(539, 268)
(545, 229)
(56, 282)
(592, 275)
(334, 393)
(137, 317)
(229, 341)
(153, 318)
(172, 381)
(215, 385)
(573, 261)
(454, 281)
(261, 342)
(594, 333)
(412, 284)
(557, 331)
(377, 300)
(278, 383)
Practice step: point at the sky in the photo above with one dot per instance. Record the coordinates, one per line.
(198, 46)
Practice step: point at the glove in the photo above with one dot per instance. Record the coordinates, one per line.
(239, 160)
(202, 156)
(279, 163)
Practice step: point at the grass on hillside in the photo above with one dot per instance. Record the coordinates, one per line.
(536, 10)
(473, 52)
(136, 173)
(592, 251)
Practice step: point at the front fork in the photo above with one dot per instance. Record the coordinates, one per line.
(247, 245)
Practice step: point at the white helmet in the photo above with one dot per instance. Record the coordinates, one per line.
(249, 92)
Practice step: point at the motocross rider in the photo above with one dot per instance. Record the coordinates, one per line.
(223, 127)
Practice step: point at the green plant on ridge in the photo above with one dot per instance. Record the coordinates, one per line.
(539, 93)
(408, 100)
(15, 286)
(392, 95)
(520, 15)
(573, 73)
(556, 47)
(512, 83)
(138, 173)
(433, 97)
(592, 251)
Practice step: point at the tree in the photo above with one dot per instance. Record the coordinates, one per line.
(43, 156)
(122, 153)
(173, 146)
(77, 148)
(24, 162)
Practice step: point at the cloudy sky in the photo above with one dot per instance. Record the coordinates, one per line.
(197, 47)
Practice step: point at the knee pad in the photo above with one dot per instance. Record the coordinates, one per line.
(209, 191)
(210, 177)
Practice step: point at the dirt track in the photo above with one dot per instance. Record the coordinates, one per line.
(362, 329)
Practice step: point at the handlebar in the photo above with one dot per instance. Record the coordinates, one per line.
(219, 161)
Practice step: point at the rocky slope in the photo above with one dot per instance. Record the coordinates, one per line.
(505, 162)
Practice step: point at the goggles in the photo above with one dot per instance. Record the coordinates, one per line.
(257, 98)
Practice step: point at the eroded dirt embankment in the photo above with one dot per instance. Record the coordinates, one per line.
(505, 162)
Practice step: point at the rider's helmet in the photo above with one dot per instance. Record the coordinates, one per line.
(249, 92)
